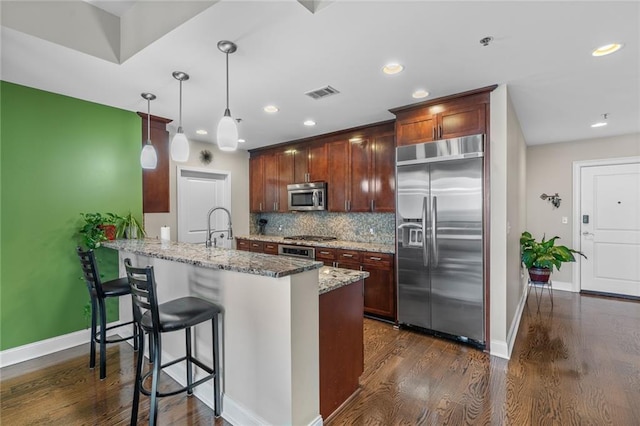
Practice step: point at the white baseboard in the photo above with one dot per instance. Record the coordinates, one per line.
(499, 348)
(562, 286)
(47, 346)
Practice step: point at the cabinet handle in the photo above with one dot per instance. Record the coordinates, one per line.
(361, 267)
(347, 255)
(375, 258)
(324, 252)
(349, 204)
(260, 206)
(440, 132)
(372, 206)
(346, 208)
(433, 133)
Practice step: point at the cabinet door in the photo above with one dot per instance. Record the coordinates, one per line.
(256, 246)
(317, 163)
(379, 287)
(286, 166)
(300, 157)
(338, 176)
(271, 182)
(383, 175)
(359, 199)
(349, 259)
(270, 248)
(462, 121)
(326, 256)
(256, 184)
(243, 245)
(415, 130)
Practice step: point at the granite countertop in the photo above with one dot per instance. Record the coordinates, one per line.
(216, 258)
(339, 244)
(333, 278)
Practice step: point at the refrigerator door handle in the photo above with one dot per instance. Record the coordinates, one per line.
(434, 231)
(425, 246)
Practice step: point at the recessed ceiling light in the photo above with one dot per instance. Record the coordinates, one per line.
(201, 132)
(271, 108)
(241, 141)
(309, 123)
(392, 68)
(607, 49)
(419, 94)
(603, 122)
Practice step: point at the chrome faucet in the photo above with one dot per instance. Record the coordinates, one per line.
(229, 231)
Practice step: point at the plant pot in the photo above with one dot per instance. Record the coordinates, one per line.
(539, 275)
(109, 231)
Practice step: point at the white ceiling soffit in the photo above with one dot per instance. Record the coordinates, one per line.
(90, 29)
(315, 5)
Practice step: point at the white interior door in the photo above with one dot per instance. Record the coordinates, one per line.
(198, 191)
(610, 229)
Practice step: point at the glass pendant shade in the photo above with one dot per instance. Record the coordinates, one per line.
(179, 147)
(227, 134)
(148, 157)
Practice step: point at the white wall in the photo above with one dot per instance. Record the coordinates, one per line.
(235, 162)
(507, 180)
(550, 170)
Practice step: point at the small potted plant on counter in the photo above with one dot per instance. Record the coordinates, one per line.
(540, 257)
(127, 226)
(98, 228)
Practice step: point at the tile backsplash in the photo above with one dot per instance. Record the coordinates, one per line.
(344, 226)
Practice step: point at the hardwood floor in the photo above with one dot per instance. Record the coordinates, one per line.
(576, 365)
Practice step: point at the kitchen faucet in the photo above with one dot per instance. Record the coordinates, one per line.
(229, 231)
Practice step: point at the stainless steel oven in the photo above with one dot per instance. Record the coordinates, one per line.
(297, 251)
(307, 196)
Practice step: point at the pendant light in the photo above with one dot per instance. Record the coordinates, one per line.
(148, 157)
(179, 143)
(227, 134)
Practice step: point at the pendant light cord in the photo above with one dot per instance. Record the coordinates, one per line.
(149, 121)
(227, 111)
(180, 125)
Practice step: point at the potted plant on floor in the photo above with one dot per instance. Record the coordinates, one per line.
(540, 257)
(127, 226)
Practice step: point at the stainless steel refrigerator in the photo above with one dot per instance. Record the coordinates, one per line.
(440, 238)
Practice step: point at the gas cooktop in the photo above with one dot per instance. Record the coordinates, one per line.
(309, 238)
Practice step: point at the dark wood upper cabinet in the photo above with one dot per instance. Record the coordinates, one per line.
(383, 174)
(338, 177)
(155, 183)
(286, 167)
(449, 117)
(256, 184)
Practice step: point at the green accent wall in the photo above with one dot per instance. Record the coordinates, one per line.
(59, 156)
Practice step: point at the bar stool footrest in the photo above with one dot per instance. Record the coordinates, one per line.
(196, 361)
(116, 340)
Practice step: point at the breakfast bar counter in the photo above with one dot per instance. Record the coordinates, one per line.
(272, 330)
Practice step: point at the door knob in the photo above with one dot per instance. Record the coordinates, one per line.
(587, 233)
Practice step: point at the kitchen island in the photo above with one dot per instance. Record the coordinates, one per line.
(274, 340)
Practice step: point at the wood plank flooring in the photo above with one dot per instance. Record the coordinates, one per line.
(578, 364)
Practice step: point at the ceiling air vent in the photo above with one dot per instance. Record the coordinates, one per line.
(322, 92)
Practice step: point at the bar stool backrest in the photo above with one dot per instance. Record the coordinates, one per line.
(90, 272)
(143, 293)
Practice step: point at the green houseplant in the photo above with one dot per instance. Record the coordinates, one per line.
(97, 228)
(128, 226)
(540, 257)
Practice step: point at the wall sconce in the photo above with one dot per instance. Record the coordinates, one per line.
(553, 199)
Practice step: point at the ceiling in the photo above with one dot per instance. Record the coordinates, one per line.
(541, 50)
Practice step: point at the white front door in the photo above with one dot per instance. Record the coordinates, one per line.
(198, 191)
(610, 229)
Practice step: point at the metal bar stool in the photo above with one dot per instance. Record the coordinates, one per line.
(178, 314)
(98, 292)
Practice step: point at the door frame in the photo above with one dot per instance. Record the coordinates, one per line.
(180, 169)
(576, 284)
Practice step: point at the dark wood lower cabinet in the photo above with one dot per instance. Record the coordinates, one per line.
(341, 346)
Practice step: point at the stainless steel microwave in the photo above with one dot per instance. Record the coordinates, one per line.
(307, 196)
